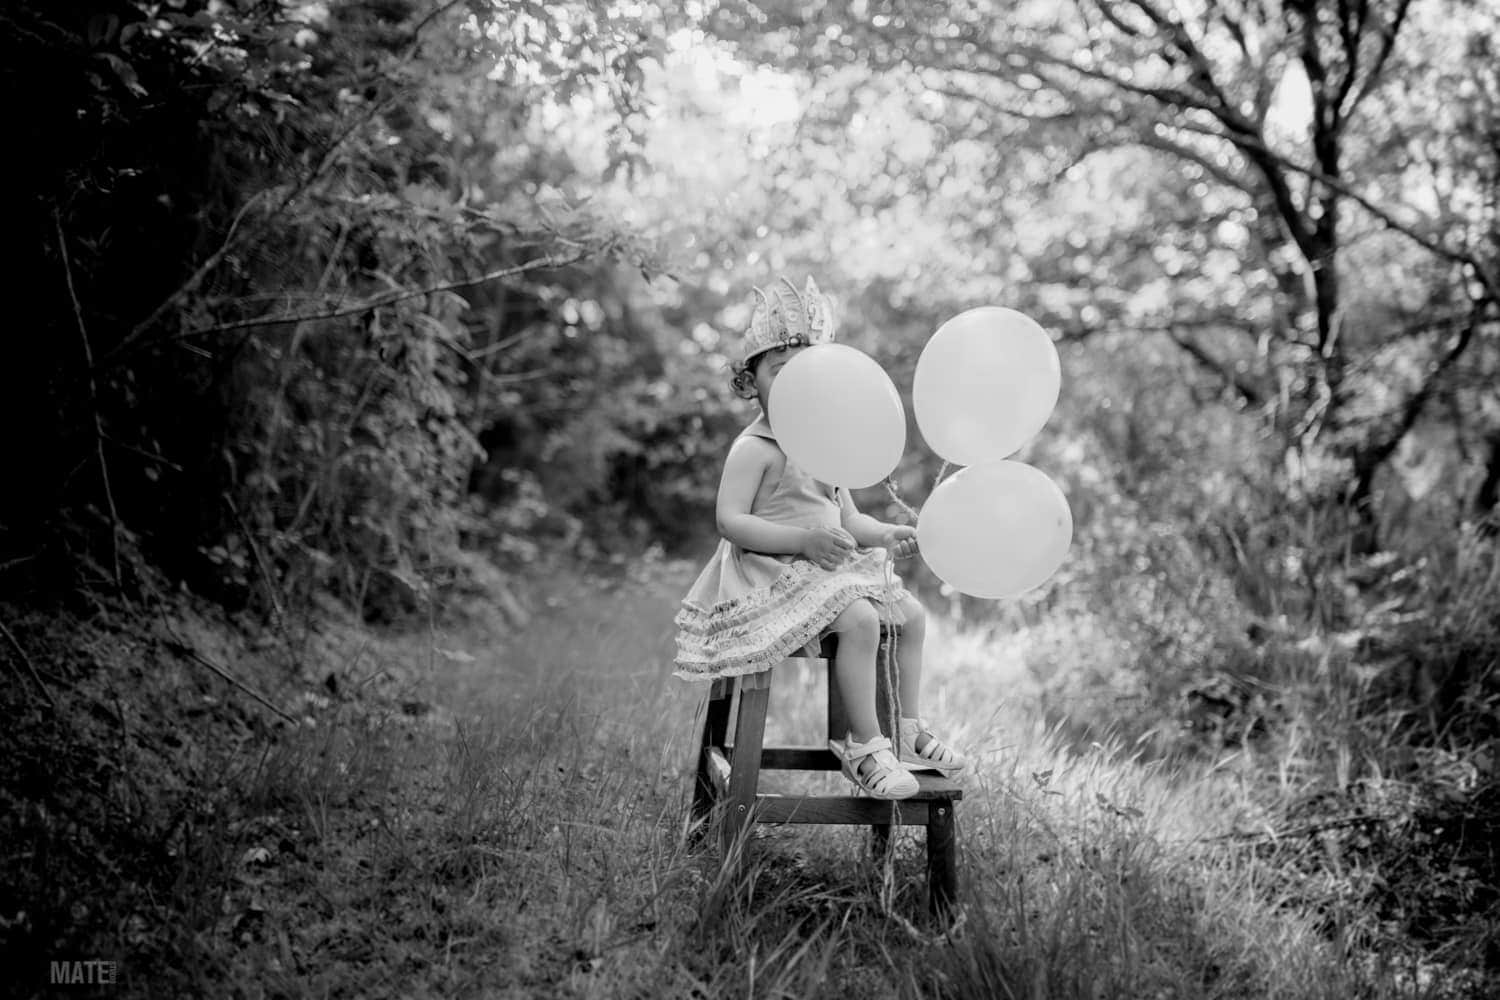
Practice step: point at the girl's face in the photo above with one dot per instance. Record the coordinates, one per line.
(768, 365)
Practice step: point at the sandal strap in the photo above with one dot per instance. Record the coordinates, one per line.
(934, 749)
(886, 776)
(856, 751)
(885, 767)
(937, 750)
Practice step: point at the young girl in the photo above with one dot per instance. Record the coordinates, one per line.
(798, 559)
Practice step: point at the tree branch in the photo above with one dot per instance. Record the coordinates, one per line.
(1246, 391)
(1351, 29)
(1210, 99)
(1202, 74)
(380, 301)
(187, 287)
(93, 384)
(1371, 458)
(292, 193)
(1489, 281)
(30, 667)
(1387, 46)
(428, 18)
(182, 647)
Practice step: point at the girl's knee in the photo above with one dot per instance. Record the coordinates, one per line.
(858, 619)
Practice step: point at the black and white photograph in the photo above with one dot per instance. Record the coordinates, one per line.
(750, 500)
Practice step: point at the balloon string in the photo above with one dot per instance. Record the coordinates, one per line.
(892, 642)
(890, 649)
(888, 659)
(888, 666)
(890, 487)
(893, 490)
(888, 863)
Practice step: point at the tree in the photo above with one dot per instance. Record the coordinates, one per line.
(258, 230)
(1270, 210)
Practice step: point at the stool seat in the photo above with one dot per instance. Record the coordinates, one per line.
(727, 788)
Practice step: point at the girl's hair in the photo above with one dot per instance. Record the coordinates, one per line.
(742, 379)
(742, 376)
(742, 382)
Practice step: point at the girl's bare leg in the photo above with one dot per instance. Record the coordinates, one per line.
(915, 740)
(858, 627)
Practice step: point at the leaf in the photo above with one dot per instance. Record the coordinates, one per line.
(124, 72)
(256, 856)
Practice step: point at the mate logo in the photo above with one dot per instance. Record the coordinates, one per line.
(87, 972)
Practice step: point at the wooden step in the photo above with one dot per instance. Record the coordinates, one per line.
(850, 809)
(813, 758)
(930, 785)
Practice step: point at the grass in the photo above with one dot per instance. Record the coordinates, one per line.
(492, 809)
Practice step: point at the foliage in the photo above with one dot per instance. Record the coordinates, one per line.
(1174, 176)
(298, 243)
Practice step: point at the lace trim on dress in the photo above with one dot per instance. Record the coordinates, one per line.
(730, 638)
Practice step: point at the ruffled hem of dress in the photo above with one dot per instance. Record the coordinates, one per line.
(793, 631)
(794, 575)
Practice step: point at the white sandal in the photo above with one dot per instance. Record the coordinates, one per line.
(886, 778)
(935, 755)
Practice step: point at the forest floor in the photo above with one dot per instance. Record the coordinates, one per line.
(495, 805)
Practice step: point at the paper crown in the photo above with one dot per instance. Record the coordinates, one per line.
(785, 317)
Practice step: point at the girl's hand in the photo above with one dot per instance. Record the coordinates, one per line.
(827, 547)
(901, 541)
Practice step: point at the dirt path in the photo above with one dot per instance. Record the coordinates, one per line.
(603, 639)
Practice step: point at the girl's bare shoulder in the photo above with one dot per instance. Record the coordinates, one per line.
(748, 449)
(754, 459)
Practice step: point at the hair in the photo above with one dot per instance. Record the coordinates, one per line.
(742, 375)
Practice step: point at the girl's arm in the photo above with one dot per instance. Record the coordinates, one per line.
(868, 532)
(748, 460)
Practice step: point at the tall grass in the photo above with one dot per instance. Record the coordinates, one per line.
(486, 810)
(528, 837)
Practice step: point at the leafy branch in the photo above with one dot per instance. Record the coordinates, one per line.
(383, 300)
(292, 193)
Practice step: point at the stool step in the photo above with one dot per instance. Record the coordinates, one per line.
(799, 759)
(811, 758)
(930, 786)
(848, 809)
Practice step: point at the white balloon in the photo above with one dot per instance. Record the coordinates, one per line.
(995, 530)
(837, 414)
(985, 383)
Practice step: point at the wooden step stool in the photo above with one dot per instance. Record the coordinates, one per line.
(729, 776)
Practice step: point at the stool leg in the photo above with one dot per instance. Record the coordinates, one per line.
(715, 727)
(744, 775)
(942, 856)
